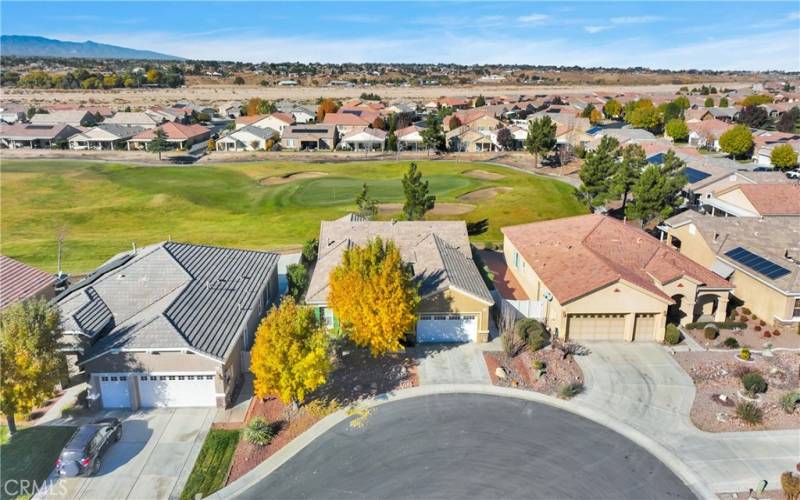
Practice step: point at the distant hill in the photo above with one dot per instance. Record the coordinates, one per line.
(21, 45)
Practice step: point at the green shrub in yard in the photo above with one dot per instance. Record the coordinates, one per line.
(789, 401)
(726, 325)
(569, 391)
(749, 412)
(731, 343)
(744, 354)
(672, 335)
(710, 331)
(259, 432)
(211, 468)
(754, 383)
(532, 333)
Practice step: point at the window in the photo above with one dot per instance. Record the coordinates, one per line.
(796, 310)
(171, 377)
(104, 379)
(123, 379)
(181, 377)
(113, 379)
(516, 259)
(209, 377)
(327, 316)
(190, 377)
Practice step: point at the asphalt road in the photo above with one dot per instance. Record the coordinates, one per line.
(471, 446)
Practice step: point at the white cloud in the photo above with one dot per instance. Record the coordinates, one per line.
(596, 29)
(533, 18)
(635, 19)
(763, 51)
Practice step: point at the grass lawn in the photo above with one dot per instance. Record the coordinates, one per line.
(107, 206)
(31, 454)
(211, 468)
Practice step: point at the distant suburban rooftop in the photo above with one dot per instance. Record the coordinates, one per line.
(168, 296)
(19, 281)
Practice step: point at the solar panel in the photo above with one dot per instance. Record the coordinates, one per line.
(757, 263)
(693, 175)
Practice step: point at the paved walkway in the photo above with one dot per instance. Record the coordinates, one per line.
(451, 364)
(53, 414)
(645, 388)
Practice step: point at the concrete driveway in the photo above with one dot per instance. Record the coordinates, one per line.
(152, 460)
(470, 446)
(451, 364)
(643, 386)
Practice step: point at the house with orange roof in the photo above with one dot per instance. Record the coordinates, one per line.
(598, 278)
(347, 122)
(409, 138)
(178, 135)
(756, 200)
(706, 133)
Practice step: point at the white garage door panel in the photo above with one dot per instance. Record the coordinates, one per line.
(114, 390)
(176, 390)
(645, 324)
(596, 327)
(447, 328)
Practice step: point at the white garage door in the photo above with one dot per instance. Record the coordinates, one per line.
(447, 328)
(114, 390)
(643, 330)
(596, 327)
(177, 389)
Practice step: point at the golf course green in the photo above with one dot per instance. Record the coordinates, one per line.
(104, 207)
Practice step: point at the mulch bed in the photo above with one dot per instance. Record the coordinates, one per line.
(521, 375)
(357, 375)
(718, 373)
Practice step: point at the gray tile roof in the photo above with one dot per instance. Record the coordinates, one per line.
(169, 295)
(438, 250)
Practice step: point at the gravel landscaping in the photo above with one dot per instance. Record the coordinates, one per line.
(717, 378)
(754, 335)
(521, 374)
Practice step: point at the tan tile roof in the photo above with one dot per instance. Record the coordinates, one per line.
(173, 131)
(714, 127)
(577, 255)
(772, 199)
(344, 119)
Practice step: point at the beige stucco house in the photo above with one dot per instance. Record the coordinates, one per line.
(455, 302)
(168, 325)
(759, 256)
(601, 279)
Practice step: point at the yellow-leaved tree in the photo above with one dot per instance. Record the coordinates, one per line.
(373, 295)
(289, 358)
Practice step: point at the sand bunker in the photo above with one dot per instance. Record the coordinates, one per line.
(285, 179)
(484, 175)
(439, 209)
(484, 194)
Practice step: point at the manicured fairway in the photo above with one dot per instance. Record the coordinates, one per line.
(106, 207)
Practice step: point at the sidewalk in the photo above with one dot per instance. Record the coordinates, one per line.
(643, 387)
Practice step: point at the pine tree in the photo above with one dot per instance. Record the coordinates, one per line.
(367, 207)
(598, 167)
(634, 160)
(541, 137)
(418, 199)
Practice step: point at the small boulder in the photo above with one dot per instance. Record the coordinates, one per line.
(500, 372)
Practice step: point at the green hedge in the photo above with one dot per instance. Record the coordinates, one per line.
(728, 325)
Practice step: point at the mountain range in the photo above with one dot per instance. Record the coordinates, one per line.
(23, 45)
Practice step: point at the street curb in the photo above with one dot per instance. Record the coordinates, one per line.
(677, 466)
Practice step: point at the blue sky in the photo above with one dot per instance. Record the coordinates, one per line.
(715, 35)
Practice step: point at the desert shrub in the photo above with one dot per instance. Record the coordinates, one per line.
(572, 349)
(754, 383)
(766, 334)
(744, 354)
(259, 432)
(776, 333)
(790, 483)
(762, 322)
(753, 317)
(672, 335)
(789, 401)
(569, 391)
(731, 343)
(710, 332)
(746, 311)
(513, 346)
(749, 412)
(532, 333)
(538, 364)
(757, 328)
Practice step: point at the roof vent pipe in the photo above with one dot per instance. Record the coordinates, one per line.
(133, 243)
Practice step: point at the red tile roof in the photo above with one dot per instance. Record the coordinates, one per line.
(344, 119)
(578, 255)
(19, 281)
(174, 131)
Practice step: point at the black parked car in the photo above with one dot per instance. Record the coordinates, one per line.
(81, 456)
